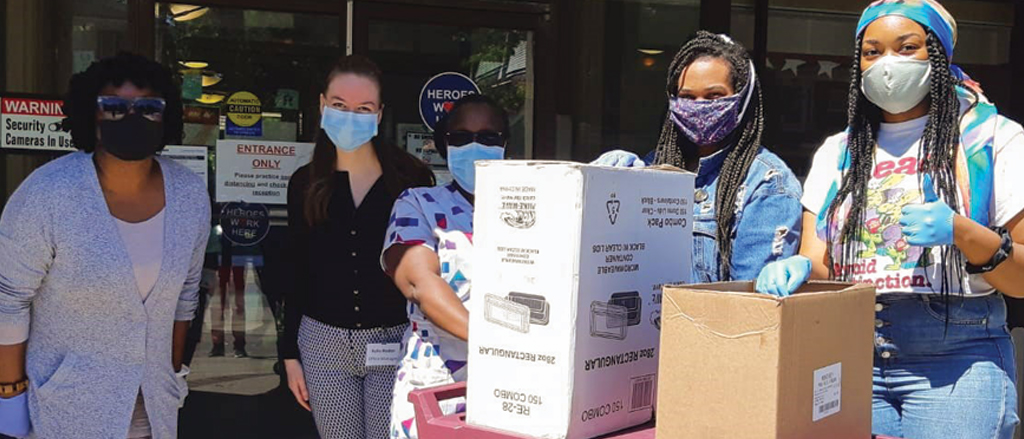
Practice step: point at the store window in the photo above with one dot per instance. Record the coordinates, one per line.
(56, 38)
(98, 30)
(498, 61)
(626, 47)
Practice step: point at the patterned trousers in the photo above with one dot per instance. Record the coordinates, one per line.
(349, 399)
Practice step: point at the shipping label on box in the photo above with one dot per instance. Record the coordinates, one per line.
(571, 260)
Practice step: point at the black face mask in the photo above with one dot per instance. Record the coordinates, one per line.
(133, 138)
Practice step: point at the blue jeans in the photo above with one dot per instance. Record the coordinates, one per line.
(939, 380)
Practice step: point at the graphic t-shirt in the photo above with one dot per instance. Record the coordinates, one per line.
(884, 257)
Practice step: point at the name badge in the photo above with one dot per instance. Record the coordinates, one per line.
(383, 354)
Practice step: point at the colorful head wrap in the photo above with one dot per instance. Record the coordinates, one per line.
(927, 13)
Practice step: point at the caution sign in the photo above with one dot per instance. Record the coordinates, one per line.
(30, 122)
(440, 93)
(245, 113)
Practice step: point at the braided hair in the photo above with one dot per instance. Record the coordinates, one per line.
(937, 157)
(674, 149)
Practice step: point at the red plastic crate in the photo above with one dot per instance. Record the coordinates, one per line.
(432, 424)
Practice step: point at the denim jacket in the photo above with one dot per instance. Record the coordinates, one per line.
(767, 223)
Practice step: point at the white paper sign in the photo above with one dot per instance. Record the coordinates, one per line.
(256, 171)
(33, 123)
(828, 391)
(422, 146)
(383, 354)
(191, 157)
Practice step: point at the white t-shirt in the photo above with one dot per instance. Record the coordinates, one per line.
(145, 244)
(886, 260)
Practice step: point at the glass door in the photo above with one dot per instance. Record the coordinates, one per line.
(251, 81)
(418, 43)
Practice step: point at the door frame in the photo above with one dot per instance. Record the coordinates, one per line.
(533, 17)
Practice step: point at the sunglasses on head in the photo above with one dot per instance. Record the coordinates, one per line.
(486, 138)
(115, 108)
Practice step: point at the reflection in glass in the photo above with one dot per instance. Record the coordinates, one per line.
(282, 59)
(499, 61)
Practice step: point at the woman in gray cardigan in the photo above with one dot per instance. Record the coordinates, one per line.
(100, 259)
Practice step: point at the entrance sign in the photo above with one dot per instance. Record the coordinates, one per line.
(440, 93)
(256, 171)
(33, 122)
(245, 114)
(245, 224)
(191, 157)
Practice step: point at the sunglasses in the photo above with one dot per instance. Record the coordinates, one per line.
(486, 138)
(115, 108)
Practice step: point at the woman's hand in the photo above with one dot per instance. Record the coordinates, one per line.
(928, 224)
(297, 382)
(782, 278)
(619, 159)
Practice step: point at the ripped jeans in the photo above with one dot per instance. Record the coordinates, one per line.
(939, 379)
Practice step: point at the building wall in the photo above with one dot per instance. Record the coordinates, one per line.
(608, 94)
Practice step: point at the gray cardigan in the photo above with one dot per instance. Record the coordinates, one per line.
(92, 341)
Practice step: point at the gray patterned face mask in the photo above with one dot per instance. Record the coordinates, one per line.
(710, 122)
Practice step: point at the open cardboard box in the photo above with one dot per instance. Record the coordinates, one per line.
(737, 364)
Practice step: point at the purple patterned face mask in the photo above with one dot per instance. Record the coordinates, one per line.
(710, 122)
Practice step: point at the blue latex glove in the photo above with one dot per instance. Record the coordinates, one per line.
(14, 416)
(619, 159)
(928, 224)
(782, 278)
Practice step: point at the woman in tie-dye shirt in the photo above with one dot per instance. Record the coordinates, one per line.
(922, 197)
(428, 251)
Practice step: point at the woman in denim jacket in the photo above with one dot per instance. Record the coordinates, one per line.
(747, 201)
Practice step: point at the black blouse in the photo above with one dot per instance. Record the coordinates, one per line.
(337, 277)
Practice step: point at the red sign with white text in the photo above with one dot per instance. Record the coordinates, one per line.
(33, 123)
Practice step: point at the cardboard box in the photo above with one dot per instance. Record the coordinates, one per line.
(569, 264)
(737, 364)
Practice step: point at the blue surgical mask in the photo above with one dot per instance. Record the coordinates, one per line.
(347, 130)
(461, 161)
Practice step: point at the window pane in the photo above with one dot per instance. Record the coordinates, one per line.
(499, 61)
(626, 47)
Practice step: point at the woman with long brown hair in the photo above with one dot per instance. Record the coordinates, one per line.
(342, 303)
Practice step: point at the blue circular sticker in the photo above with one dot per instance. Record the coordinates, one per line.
(440, 93)
(245, 224)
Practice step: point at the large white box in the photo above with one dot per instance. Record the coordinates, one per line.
(569, 261)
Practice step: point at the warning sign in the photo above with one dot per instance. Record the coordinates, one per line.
(33, 123)
(244, 115)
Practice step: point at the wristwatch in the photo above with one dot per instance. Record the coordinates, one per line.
(10, 390)
(1002, 254)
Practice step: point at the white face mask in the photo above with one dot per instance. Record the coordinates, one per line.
(897, 84)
